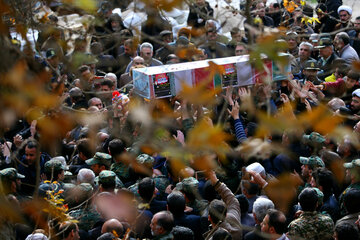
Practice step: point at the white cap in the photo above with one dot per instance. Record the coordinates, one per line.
(256, 167)
(36, 236)
(345, 8)
(356, 93)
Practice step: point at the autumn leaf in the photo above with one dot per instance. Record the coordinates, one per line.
(356, 65)
(320, 119)
(166, 5)
(203, 137)
(283, 191)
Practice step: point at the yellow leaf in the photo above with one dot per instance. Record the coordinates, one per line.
(302, 3)
(204, 137)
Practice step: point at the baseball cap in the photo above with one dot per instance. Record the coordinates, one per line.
(189, 184)
(54, 165)
(313, 160)
(11, 173)
(145, 159)
(107, 176)
(256, 167)
(314, 137)
(356, 93)
(352, 164)
(100, 158)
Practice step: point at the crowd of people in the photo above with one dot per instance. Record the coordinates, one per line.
(114, 178)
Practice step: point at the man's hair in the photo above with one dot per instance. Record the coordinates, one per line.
(116, 147)
(176, 203)
(166, 220)
(346, 231)
(353, 75)
(222, 234)
(92, 99)
(234, 30)
(108, 83)
(217, 210)
(146, 189)
(66, 228)
(344, 37)
(308, 199)
(325, 179)
(260, 207)
(336, 103)
(306, 44)
(86, 175)
(84, 146)
(244, 203)
(277, 220)
(352, 200)
(146, 45)
(32, 143)
(129, 42)
(182, 233)
(113, 225)
(251, 188)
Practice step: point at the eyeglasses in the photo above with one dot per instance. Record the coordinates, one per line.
(343, 15)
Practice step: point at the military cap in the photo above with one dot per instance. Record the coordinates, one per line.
(11, 173)
(324, 42)
(314, 137)
(100, 158)
(320, 195)
(352, 164)
(189, 184)
(313, 160)
(311, 65)
(107, 176)
(145, 159)
(54, 165)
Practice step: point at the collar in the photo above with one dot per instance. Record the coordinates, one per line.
(343, 49)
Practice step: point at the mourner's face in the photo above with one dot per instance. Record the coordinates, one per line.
(344, 16)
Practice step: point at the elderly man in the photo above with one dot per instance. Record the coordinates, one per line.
(328, 57)
(146, 52)
(161, 225)
(343, 48)
(305, 50)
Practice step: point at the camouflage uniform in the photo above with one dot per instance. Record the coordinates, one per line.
(167, 236)
(312, 225)
(87, 216)
(7, 228)
(354, 167)
(121, 170)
